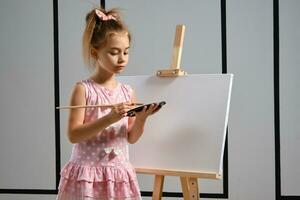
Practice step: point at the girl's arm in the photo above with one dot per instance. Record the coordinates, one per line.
(77, 131)
(136, 124)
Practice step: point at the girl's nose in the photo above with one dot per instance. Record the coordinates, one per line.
(121, 58)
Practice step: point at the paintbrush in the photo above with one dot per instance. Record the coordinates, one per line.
(96, 106)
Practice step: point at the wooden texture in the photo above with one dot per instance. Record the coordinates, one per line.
(170, 172)
(171, 72)
(158, 187)
(190, 188)
(176, 55)
(177, 46)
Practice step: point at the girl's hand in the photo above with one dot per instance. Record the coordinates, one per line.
(119, 111)
(142, 115)
(136, 124)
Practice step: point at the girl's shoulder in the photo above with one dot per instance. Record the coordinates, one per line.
(85, 85)
(83, 82)
(88, 83)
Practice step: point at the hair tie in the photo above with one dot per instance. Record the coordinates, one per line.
(103, 16)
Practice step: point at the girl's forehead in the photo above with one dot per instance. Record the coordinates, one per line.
(119, 40)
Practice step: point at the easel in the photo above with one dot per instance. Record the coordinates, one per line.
(176, 55)
(189, 179)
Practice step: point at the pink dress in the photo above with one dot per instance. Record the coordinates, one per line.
(99, 167)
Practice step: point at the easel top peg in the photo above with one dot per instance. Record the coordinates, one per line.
(175, 70)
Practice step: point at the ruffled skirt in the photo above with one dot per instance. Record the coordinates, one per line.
(98, 183)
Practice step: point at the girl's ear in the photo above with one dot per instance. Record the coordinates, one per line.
(94, 53)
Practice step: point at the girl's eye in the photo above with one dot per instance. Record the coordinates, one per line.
(114, 53)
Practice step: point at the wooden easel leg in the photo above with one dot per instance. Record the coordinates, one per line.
(189, 188)
(158, 187)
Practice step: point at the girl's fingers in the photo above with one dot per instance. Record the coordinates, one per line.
(122, 109)
(129, 103)
(157, 108)
(126, 106)
(152, 107)
(119, 110)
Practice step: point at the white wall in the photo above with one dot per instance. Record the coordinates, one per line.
(27, 95)
(289, 97)
(251, 147)
(251, 128)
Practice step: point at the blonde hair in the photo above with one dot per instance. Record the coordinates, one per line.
(97, 31)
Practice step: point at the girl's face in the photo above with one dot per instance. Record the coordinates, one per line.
(113, 57)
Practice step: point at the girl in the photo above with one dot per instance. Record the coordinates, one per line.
(99, 167)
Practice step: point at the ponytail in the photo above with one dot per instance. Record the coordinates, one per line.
(87, 37)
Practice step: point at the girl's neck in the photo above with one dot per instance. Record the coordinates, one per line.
(105, 78)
